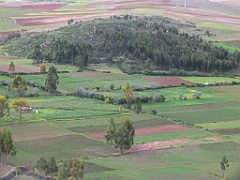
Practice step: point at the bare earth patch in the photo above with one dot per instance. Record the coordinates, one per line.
(5, 169)
(215, 138)
(143, 131)
(157, 145)
(18, 68)
(165, 81)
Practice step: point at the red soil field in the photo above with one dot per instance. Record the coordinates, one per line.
(18, 68)
(208, 16)
(40, 6)
(7, 58)
(143, 131)
(165, 81)
(157, 145)
(55, 19)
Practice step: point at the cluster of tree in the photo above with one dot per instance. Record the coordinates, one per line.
(6, 145)
(47, 167)
(62, 52)
(121, 135)
(70, 21)
(71, 169)
(135, 44)
(19, 105)
(19, 84)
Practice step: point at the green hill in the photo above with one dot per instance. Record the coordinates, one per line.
(136, 44)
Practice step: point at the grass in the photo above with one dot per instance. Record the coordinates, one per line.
(32, 131)
(69, 82)
(7, 23)
(205, 116)
(221, 125)
(231, 48)
(186, 134)
(153, 173)
(69, 145)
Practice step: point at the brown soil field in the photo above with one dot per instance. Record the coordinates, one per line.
(207, 17)
(7, 32)
(165, 81)
(18, 68)
(5, 169)
(90, 73)
(33, 131)
(143, 131)
(228, 131)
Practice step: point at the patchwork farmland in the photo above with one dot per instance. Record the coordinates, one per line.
(170, 141)
(180, 138)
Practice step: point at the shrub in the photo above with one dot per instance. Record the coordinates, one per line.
(158, 97)
(112, 86)
(154, 86)
(144, 98)
(81, 92)
(154, 112)
(36, 91)
(138, 87)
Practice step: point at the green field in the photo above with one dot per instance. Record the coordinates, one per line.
(231, 48)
